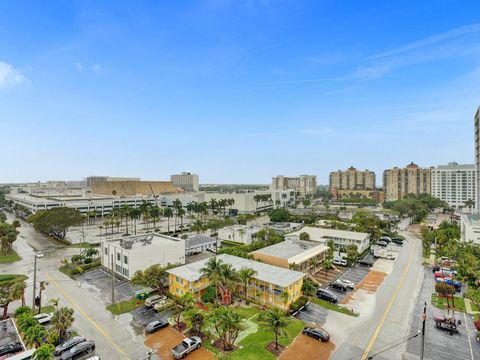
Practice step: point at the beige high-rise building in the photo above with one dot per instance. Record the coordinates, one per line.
(303, 184)
(352, 179)
(477, 160)
(398, 182)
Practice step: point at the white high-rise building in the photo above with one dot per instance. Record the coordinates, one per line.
(453, 183)
(185, 180)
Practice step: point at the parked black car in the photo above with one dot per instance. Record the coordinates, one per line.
(81, 349)
(155, 326)
(326, 295)
(397, 241)
(68, 344)
(382, 243)
(386, 239)
(10, 348)
(365, 262)
(337, 285)
(316, 333)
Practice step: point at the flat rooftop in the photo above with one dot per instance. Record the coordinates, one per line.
(292, 248)
(136, 242)
(319, 233)
(268, 273)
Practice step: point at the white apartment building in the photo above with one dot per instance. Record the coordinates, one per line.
(453, 183)
(185, 180)
(470, 228)
(244, 234)
(132, 253)
(341, 238)
(303, 184)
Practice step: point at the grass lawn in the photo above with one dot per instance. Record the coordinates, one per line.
(46, 309)
(334, 307)
(441, 302)
(9, 257)
(12, 278)
(249, 312)
(125, 306)
(84, 245)
(253, 346)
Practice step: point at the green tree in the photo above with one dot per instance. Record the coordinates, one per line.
(304, 236)
(44, 352)
(279, 215)
(331, 248)
(275, 321)
(313, 262)
(327, 265)
(352, 253)
(135, 214)
(285, 296)
(227, 324)
(470, 204)
(442, 291)
(212, 271)
(246, 275)
(61, 321)
(309, 288)
(474, 296)
(197, 226)
(154, 276)
(8, 235)
(183, 303)
(56, 222)
(35, 335)
(196, 317)
(168, 213)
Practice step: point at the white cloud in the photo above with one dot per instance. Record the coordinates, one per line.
(96, 68)
(78, 66)
(11, 77)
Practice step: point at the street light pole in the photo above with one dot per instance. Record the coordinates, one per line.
(113, 279)
(34, 280)
(424, 318)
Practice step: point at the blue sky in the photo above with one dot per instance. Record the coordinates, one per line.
(236, 91)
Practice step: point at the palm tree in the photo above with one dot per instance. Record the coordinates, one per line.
(18, 291)
(284, 197)
(327, 265)
(227, 324)
(125, 211)
(35, 335)
(212, 272)
(177, 205)
(155, 214)
(246, 275)
(197, 226)
(44, 352)
(181, 214)
(469, 203)
(62, 319)
(285, 296)
(228, 281)
(168, 213)
(135, 214)
(276, 321)
(213, 205)
(196, 317)
(313, 262)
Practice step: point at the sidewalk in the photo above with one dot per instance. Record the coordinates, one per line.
(468, 307)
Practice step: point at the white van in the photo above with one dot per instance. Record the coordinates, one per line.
(25, 355)
(339, 261)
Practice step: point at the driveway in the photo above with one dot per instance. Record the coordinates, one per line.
(144, 315)
(98, 283)
(313, 314)
(440, 344)
(355, 274)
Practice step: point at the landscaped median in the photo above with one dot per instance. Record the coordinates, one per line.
(442, 302)
(334, 307)
(9, 257)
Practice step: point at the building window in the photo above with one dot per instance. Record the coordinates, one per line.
(125, 259)
(118, 256)
(106, 251)
(179, 280)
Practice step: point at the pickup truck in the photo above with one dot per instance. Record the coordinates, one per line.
(186, 347)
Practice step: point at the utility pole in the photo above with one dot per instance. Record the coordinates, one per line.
(113, 280)
(424, 318)
(34, 280)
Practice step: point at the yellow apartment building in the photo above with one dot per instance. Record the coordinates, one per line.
(267, 286)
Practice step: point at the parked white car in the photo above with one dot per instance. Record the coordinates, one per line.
(340, 262)
(44, 318)
(152, 300)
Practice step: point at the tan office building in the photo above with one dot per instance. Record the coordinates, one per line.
(399, 182)
(303, 184)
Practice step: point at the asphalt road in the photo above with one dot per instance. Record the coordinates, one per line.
(440, 344)
(394, 304)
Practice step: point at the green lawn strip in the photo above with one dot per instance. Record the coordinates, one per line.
(441, 302)
(253, 346)
(84, 245)
(124, 306)
(9, 278)
(247, 312)
(334, 307)
(9, 257)
(46, 309)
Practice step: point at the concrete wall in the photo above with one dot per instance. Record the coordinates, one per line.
(132, 187)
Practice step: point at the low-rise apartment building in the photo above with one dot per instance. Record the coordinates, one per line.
(341, 238)
(266, 287)
(244, 234)
(199, 243)
(470, 228)
(292, 254)
(132, 253)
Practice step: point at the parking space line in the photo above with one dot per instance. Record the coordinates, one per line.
(449, 354)
(315, 320)
(468, 335)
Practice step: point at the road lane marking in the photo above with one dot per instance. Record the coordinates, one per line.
(84, 313)
(468, 335)
(389, 306)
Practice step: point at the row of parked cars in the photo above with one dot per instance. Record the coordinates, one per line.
(447, 276)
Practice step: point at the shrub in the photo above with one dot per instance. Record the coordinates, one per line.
(209, 295)
(297, 304)
(22, 310)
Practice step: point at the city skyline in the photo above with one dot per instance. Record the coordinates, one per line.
(235, 92)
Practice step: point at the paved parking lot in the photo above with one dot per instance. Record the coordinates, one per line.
(440, 344)
(98, 282)
(8, 333)
(313, 314)
(355, 274)
(144, 315)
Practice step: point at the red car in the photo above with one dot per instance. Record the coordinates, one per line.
(440, 274)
